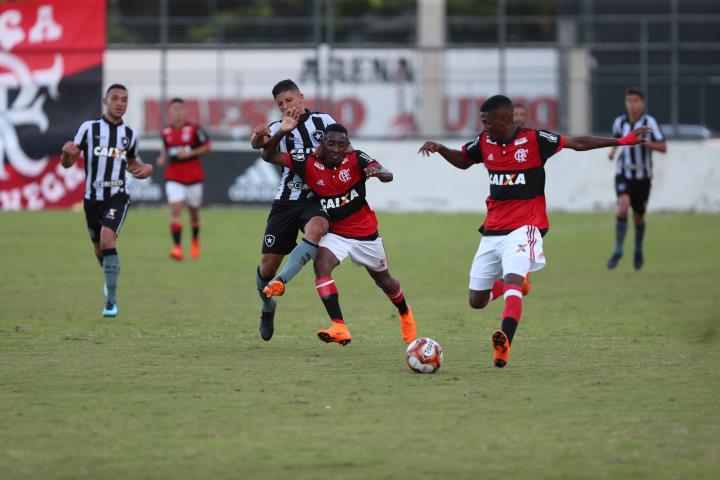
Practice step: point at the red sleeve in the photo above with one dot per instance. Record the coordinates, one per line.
(471, 151)
(549, 143)
(288, 160)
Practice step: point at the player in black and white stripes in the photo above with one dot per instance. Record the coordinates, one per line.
(294, 208)
(633, 173)
(109, 147)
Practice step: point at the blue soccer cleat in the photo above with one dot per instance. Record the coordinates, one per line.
(110, 310)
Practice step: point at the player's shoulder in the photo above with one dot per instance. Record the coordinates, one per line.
(130, 130)
(325, 117)
(275, 124)
(360, 155)
(620, 119)
(650, 119)
(88, 123)
(545, 134)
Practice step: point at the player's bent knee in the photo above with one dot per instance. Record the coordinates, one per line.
(316, 229)
(479, 300)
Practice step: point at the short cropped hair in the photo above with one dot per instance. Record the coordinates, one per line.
(115, 85)
(495, 102)
(284, 86)
(336, 127)
(177, 100)
(635, 91)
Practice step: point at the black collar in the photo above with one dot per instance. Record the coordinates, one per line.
(107, 120)
(303, 118)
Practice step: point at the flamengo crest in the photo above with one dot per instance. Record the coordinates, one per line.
(521, 154)
(27, 107)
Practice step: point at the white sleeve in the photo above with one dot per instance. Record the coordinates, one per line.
(80, 135)
(616, 129)
(657, 134)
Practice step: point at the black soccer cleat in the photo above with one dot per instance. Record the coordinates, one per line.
(638, 261)
(613, 261)
(267, 323)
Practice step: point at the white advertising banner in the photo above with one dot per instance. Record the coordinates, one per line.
(374, 92)
(686, 179)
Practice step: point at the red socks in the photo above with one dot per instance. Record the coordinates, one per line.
(497, 290)
(176, 231)
(398, 299)
(328, 292)
(513, 302)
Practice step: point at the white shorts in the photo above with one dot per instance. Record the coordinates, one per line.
(190, 194)
(367, 253)
(518, 252)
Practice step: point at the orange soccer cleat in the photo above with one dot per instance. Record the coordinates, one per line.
(526, 286)
(337, 333)
(501, 348)
(274, 289)
(176, 253)
(407, 326)
(195, 249)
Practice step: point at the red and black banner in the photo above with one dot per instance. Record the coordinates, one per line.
(51, 56)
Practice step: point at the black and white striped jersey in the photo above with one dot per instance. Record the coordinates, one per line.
(105, 147)
(635, 162)
(304, 139)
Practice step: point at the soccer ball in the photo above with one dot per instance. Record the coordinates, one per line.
(424, 355)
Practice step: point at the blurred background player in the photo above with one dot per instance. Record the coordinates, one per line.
(338, 178)
(516, 221)
(633, 173)
(109, 147)
(183, 143)
(520, 115)
(294, 207)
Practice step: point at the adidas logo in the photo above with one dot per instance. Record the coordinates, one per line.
(256, 184)
(490, 157)
(320, 182)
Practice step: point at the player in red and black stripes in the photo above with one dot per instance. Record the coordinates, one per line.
(512, 242)
(183, 144)
(337, 177)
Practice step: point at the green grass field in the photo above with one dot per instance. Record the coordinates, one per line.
(613, 374)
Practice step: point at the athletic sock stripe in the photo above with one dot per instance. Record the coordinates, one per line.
(398, 294)
(320, 285)
(512, 293)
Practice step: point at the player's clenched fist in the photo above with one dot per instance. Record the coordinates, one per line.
(429, 147)
(141, 171)
(70, 148)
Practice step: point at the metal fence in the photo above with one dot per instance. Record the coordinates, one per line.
(675, 58)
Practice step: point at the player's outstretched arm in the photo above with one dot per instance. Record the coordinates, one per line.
(270, 150)
(454, 157)
(590, 143)
(70, 154)
(382, 173)
(138, 169)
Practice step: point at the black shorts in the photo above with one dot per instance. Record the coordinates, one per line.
(108, 213)
(638, 190)
(284, 221)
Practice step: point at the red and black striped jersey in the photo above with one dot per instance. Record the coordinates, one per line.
(185, 138)
(517, 178)
(341, 191)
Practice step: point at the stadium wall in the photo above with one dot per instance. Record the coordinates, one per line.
(686, 179)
